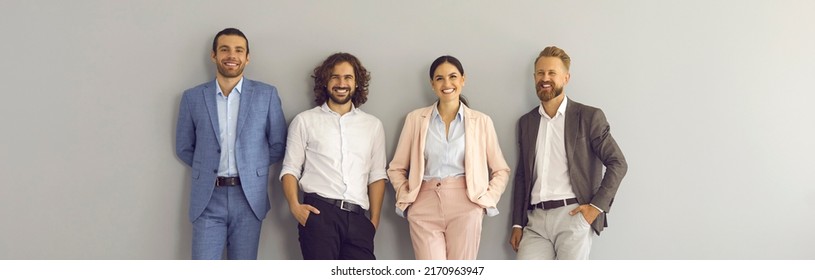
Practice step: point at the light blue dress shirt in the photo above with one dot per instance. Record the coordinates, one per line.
(444, 150)
(227, 128)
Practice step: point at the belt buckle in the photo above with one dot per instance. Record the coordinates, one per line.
(217, 182)
(342, 205)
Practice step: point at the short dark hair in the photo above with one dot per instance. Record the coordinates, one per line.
(229, 31)
(452, 60)
(322, 74)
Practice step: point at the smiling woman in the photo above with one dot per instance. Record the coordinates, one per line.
(453, 70)
(712, 101)
(443, 193)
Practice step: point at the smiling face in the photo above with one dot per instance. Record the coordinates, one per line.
(341, 84)
(551, 76)
(230, 56)
(447, 82)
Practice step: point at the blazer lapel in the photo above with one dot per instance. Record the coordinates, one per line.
(424, 124)
(469, 138)
(532, 127)
(244, 107)
(212, 108)
(572, 125)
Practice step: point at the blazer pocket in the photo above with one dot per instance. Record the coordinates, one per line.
(263, 171)
(196, 174)
(261, 108)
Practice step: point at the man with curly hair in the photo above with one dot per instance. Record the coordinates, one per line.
(336, 153)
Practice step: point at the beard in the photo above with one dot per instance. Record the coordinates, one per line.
(342, 101)
(544, 95)
(230, 73)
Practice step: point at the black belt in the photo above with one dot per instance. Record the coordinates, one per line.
(342, 204)
(552, 204)
(227, 181)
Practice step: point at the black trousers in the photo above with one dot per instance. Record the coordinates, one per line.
(336, 234)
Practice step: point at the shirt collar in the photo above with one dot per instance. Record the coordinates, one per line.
(238, 87)
(325, 108)
(561, 110)
(459, 114)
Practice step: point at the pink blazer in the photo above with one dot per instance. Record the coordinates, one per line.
(486, 171)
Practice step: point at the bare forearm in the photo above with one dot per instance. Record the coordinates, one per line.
(376, 193)
(290, 190)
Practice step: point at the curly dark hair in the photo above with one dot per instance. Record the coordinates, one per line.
(323, 72)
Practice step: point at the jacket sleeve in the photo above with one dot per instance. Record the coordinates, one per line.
(185, 132)
(612, 157)
(276, 130)
(499, 169)
(399, 166)
(519, 190)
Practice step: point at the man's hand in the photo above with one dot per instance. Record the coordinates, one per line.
(589, 212)
(515, 238)
(301, 212)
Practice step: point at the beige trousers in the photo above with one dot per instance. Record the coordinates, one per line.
(444, 223)
(553, 234)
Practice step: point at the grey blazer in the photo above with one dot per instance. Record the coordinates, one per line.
(589, 147)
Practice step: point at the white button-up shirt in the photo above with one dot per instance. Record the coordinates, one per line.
(552, 172)
(336, 156)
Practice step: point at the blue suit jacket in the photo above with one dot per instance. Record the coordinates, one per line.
(260, 141)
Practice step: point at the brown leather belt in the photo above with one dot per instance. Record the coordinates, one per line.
(342, 204)
(227, 181)
(552, 204)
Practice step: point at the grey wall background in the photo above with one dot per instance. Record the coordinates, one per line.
(710, 101)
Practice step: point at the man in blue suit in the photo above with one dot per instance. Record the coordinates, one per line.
(229, 131)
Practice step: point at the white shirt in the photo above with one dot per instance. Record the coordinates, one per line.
(336, 156)
(444, 150)
(551, 170)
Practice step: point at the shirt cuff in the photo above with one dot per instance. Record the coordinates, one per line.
(492, 212)
(517, 226)
(598, 208)
(287, 170)
(373, 177)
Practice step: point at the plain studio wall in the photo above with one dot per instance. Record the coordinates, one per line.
(711, 102)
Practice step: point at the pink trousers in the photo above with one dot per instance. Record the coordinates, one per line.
(444, 223)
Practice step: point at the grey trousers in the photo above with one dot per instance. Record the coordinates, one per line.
(553, 234)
